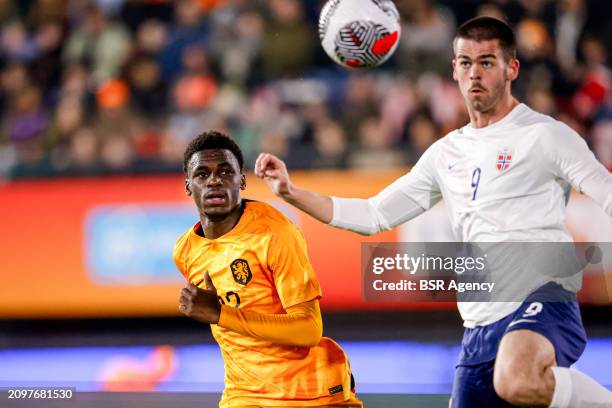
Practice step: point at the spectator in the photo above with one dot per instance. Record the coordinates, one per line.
(44, 12)
(27, 123)
(274, 141)
(75, 86)
(151, 38)
(492, 10)
(116, 152)
(571, 18)
(83, 151)
(79, 94)
(330, 146)
(374, 149)
(189, 28)
(602, 137)
(68, 119)
(542, 100)
(426, 32)
(16, 45)
(149, 92)
(113, 125)
(237, 41)
(595, 87)
(7, 11)
(14, 80)
(46, 66)
(99, 44)
(539, 66)
(288, 42)
(360, 101)
(422, 133)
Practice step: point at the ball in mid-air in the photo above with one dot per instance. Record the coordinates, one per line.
(359, 33)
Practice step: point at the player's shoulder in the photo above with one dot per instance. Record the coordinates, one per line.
(549, 131)
(431, 155)
(271, 224)
(448, 139)
(438, 144)
(265, 216)
(182, 247)
(529, 117)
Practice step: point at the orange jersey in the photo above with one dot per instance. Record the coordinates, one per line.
(262, 265)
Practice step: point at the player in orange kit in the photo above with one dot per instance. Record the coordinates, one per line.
(250, 278)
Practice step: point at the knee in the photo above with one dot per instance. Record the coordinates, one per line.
(519, 388)
(510, 389)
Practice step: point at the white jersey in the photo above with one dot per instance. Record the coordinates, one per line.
(509, 181)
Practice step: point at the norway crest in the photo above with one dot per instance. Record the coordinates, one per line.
(504, 160)
(241, 271)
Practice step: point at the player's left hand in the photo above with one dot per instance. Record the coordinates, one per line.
(201, 304)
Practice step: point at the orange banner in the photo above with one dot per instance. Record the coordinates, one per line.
(55, 234)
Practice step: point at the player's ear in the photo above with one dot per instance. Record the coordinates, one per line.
(513, 69)
(187, 187)
(454, 60)
(243, 181)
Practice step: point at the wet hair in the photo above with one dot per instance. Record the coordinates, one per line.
(212, 140)
(488, 28)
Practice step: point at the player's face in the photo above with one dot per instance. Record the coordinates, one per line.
(483, 74)
(214, 180)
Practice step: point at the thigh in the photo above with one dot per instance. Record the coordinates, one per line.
(473, 388)
(545, 327)
(522, 368)
(524, 353)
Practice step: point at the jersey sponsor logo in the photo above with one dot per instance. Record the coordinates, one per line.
(241, 271)
(504, 159)
(336, 389)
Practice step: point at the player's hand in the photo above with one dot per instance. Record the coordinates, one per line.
(274, 171)
(201, 304)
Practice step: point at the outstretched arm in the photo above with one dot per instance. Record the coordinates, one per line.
(403, 200)
(274, 171)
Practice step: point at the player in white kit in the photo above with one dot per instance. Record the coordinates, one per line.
(506, 176)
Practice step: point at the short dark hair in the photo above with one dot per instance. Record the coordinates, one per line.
(488, 28)
(212, 139)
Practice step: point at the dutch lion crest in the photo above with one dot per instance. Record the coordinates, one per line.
(241, 271)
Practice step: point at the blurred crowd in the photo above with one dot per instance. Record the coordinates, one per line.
(120, 86)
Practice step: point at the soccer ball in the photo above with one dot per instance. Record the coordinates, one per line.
(359, 33)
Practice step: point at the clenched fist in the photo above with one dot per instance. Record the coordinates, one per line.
(274, 171)
(201, 304)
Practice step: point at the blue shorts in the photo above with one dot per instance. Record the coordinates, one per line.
(558, 321)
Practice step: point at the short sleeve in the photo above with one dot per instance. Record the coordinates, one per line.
(179, 254)
(293, 274)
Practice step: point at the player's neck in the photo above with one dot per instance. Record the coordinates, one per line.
(214, 228)
(482, 119)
